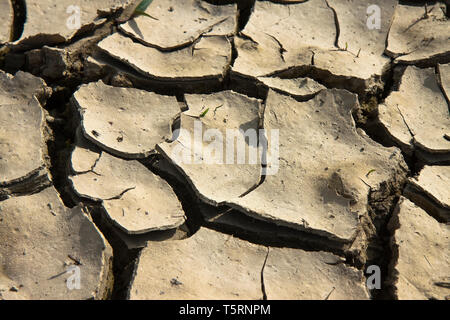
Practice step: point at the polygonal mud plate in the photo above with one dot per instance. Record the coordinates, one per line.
(419, 34)
(48, 251)
(431, 190)
(420, 267)
(417, 115)
(320, 168)
(21, 133)
(50, 22)
(284, 39)
(206, 150)
(212, 265)
(135, 200)
(178, 23)
(125, 121)
(7, 18)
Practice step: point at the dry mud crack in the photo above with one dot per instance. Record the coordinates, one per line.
(224, 149)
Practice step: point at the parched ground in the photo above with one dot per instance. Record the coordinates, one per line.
(106, 193)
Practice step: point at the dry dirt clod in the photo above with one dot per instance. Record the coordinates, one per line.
(215, 177)
(135, 200)
(299, 193)
(294, 274)
(22, 118)
(49, 241)
(418, 38)
(421, 260)
(230, 268)
(124, 121)
(417, 117)
(51, 22)
(431, 191)
(178, 23)
(345, 52)
(7, 18)
(209, 58)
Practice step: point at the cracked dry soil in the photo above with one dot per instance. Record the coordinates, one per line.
(90, 177)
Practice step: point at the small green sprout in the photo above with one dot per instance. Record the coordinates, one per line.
(370, 171)
(204, 113)
(140, 9)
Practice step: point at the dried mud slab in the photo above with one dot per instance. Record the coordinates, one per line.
(52, 22)
(326, 166)
(362, 39)
(208, 265)
(444, 78)
(209, 58)
(7, 18)
(344, 52)
(421, 265)
(299, 88)
(179, 23)
(431, 190)
(293, 274)
(22, 164)
(324, 189)
(229, 268)
(126, 122)
(278, 36)
(135, 200)
(417, 115)
(419, 37)
(41, 240)
(201, 151)
(226, 219)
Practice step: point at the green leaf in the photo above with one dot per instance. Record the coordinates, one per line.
(204, 113)
(143, 6)
(370, 171)
(142, 13)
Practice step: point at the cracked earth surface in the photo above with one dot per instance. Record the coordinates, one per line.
(100, 168)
